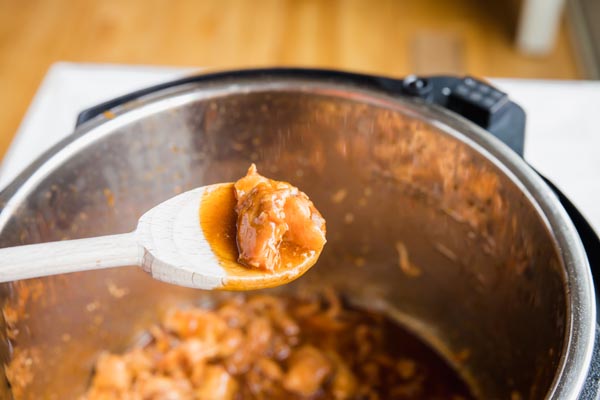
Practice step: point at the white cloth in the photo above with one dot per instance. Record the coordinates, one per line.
(562, 136)
(68, 89)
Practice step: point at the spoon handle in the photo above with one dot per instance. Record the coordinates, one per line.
(36, 260)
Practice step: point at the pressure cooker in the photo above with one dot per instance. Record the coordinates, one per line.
(434, 163)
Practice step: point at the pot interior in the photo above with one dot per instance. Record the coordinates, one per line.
(422, 224)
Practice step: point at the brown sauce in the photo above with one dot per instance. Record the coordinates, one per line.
(217, 219)
(218, 223)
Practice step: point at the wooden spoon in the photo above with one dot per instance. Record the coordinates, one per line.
(188, 240)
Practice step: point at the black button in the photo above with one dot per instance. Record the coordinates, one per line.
(470, 82)
(462, 90)
(496, 94)
(488, 102)
(475, 96)
(415, 86)
(477, 101)
(484, 89)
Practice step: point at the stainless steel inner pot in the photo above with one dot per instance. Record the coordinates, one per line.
(499, 283)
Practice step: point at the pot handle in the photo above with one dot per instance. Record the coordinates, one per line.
(591, 387)
(475, 100)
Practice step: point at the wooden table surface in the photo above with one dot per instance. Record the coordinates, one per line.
(392, 37)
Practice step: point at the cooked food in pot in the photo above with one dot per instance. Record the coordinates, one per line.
(267, 347)
(271, 214)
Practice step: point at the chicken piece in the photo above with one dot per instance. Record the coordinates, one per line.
(272, 212)
(307, 371)
(285, 323)
(217, 384)
(202, 324)
(281, 349)
(233, 315)
(269, 368)
(344, 384)
(112, 373)
(138, 362)
(163, 388)
(260, 333)
(230, 342)
(194, 351)
(306, 226)
(244, 185)
(261, 226)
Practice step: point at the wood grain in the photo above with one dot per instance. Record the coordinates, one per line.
(362, 35)
(43, 259)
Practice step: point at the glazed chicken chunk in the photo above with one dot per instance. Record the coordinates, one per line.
(272, 214)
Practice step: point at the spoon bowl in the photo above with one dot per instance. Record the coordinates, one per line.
(188, 240)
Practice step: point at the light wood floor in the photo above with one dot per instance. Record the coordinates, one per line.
(392, 37)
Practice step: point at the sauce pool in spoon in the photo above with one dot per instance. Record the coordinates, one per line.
(298, 239)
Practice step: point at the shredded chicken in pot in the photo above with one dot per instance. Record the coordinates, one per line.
(266, 347)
